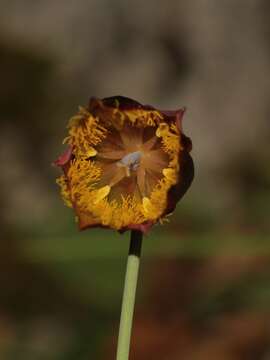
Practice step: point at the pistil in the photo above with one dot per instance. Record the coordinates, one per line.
(130, 162)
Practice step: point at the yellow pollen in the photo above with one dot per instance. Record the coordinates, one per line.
(162, 129)
(170, 138)
(102, 193)
(90, 152)
(62, 182)
(125, 162)
(169, 174)
(148, 207)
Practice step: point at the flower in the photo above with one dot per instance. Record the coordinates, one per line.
(126, 166)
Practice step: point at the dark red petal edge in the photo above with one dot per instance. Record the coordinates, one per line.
(144, 227)
(186, 175)
(174, 115)
(122, 102)
(63, 159)
(125, 103)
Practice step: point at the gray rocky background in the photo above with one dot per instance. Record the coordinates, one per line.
(211, 56)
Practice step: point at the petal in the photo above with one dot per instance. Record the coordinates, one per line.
(110, 173)
(151, 180)
(175, 116)
(86, 221)
(121, 102)
(64, 158)
(131, 139)
(186, 176)
(120, 174)
(155, 160)
(149, 143)
(111, 155)
(144, 227)
(141, 180)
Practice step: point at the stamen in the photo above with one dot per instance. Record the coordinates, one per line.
(102, 193)
(125, 162)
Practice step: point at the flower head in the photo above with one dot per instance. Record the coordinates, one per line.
(126, 165)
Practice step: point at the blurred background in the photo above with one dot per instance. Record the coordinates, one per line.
(204, 288)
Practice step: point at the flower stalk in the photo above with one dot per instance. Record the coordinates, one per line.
(129, 294)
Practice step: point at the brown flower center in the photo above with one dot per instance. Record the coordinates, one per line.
(132, 161)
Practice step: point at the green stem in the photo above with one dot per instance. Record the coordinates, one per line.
(128, 301)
